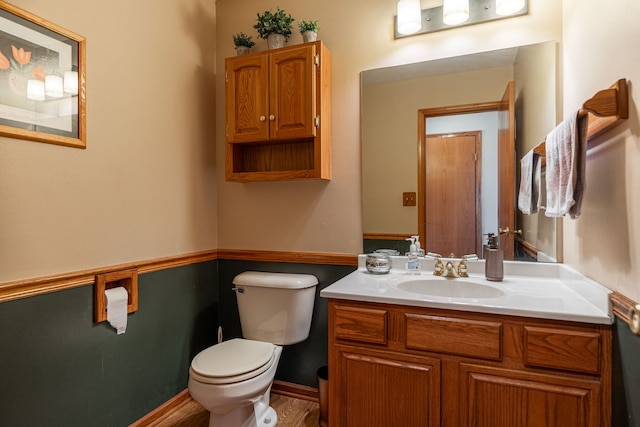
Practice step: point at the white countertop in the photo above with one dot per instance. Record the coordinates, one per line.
(539, 290)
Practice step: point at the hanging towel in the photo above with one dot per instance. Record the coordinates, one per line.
(529, 194)
(566, 158)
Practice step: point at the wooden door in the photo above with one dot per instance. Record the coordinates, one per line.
(292, 93)
(382, 389)
(494, 397)
(452, 194)
(246, 92)
(506, 169)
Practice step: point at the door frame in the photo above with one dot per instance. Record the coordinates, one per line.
(451, 110)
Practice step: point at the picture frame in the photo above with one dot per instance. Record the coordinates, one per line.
(42, 80)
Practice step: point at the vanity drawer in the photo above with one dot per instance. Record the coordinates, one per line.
(562, 349)
(361, 324)
(462, 337)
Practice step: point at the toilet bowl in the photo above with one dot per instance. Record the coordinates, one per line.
(232, 379)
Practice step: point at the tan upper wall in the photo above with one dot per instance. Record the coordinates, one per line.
(600, 47)
(327, 217)
(145, 187)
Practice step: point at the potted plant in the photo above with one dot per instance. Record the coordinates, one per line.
(243, 43)
(274, 27)
(309, 30)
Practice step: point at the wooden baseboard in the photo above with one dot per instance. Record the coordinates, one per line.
(295, 390)
(163, 410)
(279, 387)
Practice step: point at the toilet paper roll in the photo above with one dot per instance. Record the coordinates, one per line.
(117, 308)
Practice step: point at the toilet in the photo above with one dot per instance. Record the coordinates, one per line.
(232, 379)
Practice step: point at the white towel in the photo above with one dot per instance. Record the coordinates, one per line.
(529, 194)
(566, 157)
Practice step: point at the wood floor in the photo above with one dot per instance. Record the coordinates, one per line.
(292, 412)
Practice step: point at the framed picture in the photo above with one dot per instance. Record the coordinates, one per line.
(42, 80)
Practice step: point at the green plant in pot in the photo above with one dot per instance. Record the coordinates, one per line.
(243, 43)
(274, 27)
(309, 30)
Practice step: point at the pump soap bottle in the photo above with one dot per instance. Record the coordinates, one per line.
(493, 267)
(413, 263)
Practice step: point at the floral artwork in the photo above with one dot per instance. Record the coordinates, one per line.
(19, 62)
(41, 80)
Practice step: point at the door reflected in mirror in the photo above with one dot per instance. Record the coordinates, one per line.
(396, 158)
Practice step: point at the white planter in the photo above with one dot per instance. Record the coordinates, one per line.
(242, 50)
(309, 36)
(275, 41)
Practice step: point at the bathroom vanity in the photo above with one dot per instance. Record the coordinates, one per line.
(536, 352)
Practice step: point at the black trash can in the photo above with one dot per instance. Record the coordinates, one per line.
(323, 395)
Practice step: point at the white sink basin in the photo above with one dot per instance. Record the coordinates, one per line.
(450, 288)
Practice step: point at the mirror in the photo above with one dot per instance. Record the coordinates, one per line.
(391, 100)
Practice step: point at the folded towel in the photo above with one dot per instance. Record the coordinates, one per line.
(566, 157)
(529, 194)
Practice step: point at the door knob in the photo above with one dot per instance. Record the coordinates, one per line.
(272, 117)
(263, 118)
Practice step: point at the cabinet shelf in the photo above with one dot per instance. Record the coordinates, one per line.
(278, 114)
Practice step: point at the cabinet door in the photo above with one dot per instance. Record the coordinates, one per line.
(381, 389)
(247, 98)
(494, 397)
(292, 93)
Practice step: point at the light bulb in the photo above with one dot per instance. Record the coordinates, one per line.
(508, 7)
(455, 12)
(409, 16)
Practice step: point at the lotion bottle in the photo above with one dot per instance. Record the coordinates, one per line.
(493, 266)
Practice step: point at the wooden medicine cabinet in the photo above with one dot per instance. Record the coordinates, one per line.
(277, 106)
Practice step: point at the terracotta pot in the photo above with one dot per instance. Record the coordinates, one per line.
(309, 36)
(275, 41)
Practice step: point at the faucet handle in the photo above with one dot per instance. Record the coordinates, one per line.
(438, 269)
(462, 269)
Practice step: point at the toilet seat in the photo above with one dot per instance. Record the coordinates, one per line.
(232, 361)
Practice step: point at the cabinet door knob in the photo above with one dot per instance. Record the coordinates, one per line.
(263, 118)
(272, 117)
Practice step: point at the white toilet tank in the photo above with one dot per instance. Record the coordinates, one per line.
(275, 307)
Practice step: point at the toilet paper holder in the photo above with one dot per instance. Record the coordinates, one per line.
(127, 279)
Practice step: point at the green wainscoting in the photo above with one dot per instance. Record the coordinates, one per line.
(626, 376)
(58, 368)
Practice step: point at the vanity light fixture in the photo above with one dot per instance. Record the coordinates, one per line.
(453, 14)
(409, 16)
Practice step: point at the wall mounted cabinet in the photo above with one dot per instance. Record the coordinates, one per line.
(278, 114)
(414, 366)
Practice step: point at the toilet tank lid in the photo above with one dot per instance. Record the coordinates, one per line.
(275, 280)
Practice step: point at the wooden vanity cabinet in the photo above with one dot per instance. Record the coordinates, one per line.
(393, 365)
(277, 114)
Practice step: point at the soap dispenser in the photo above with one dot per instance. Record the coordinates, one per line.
(418, 248)
(493, 267)
(413, 263)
